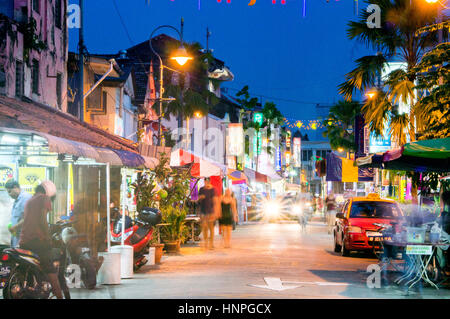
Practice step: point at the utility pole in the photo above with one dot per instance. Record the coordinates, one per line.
(81, 65)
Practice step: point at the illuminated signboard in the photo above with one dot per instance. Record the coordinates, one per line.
(297, 151)
(278, 160)
(287, 157)
(235, 139)
(258, 118)
(288, 140)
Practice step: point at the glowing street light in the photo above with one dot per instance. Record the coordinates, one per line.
(181, 57)
(371, 94)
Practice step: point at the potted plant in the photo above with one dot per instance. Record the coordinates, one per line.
(173, 233)
(157, 245)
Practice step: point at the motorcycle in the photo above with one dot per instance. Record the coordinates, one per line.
(22, 276)
(138, 233)
(78, 253)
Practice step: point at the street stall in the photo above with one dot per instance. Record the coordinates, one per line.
(419, 235)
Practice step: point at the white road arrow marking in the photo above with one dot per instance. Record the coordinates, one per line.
(273, 283)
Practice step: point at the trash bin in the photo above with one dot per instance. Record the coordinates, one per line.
(126, 260)
(109, 272)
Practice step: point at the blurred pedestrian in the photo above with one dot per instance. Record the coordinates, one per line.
(330, 202)
(228, 216)
(35, 235)
(208, 212)
(20, 199)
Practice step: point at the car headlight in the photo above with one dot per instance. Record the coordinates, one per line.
(354, 229)
(272, 209)
(297, 209)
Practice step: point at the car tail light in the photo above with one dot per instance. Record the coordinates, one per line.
(5, 257)
(354, 229)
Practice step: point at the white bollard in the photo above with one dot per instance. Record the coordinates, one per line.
(109, 272)
(126, 260)
(151, 256)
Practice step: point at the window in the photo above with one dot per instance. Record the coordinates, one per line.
(19, 78)
(97, 101)
(59, 89)
(375, 210)
(35, 76)
(36, 5)
(306, 155)
(58, 13)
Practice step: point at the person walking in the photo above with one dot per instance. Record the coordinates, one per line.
(20, 199)
(330, 201)
(228, 216)
(208, 212)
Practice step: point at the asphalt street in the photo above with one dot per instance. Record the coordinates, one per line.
(266, 261)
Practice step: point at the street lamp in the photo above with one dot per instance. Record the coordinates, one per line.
(180, 56)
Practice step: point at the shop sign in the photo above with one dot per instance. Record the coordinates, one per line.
(235, 142)
(278, 160)
(258, 118)
(6, 173)
(297, 151)
(49, 161)
(30, 177)
(419, 250)
(231, 160)
(288, 140)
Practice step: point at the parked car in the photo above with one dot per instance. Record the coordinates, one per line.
(355, 229)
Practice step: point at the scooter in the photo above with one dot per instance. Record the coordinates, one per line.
(22, 276)
(138, 233)
(79, 254)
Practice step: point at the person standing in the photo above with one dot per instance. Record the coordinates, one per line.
(228, 216)
(330, 201)
(20, 199)
(35, 235)
(208, 212)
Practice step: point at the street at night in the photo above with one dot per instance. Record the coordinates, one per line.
(247, 154)
(304, 262)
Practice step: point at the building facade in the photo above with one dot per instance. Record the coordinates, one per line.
(34, 50)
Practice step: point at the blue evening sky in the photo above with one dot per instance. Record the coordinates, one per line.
(271, 47)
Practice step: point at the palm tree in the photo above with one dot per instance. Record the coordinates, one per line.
(400, 19)
(340, 121)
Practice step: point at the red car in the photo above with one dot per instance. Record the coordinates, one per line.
(355, 229)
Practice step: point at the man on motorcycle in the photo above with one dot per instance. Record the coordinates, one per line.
(35, 235)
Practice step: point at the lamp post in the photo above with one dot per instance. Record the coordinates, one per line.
(180, 56)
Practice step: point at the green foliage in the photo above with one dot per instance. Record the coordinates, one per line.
(341, 117)
(433, 109)
(175, 216)
(175, 183)
(31, 40)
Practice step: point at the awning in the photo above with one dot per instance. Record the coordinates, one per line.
(237, 177)
(201, 167)
(61, 145)
(422, 156)
(256, 176)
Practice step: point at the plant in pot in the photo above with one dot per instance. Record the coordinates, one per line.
(157, 245)
(173, 233)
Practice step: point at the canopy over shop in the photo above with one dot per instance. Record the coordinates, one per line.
(421, 156)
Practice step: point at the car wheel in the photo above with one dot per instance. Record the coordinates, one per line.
(345, 252)
(337, 247)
